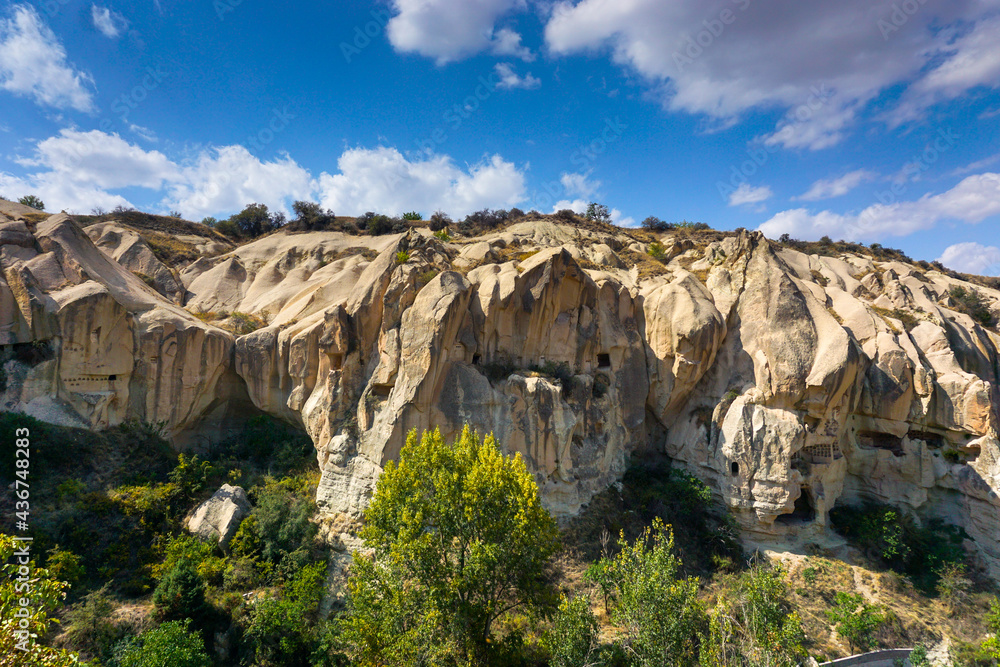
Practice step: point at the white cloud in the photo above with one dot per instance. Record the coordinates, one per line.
(579, 185)
(111, 24)
(745, 194)
(228, 178)
(33, 64)
(835, 187)
(821, 63)
(509, 79)
(507, 42)
(969, 61)
(973, 200)
(382, 179)
(449, 30)
(972, 257)
(102, 160)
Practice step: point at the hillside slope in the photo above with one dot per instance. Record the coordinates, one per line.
(790, 382)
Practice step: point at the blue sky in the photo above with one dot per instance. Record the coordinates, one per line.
(869, 120)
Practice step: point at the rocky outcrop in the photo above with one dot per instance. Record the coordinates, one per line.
(115, 348)
(219, 517)
(789, 382)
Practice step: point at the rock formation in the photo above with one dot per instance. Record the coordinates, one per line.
(219, 517)
(788, 381)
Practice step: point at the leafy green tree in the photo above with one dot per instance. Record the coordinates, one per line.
(459, 540)
(597, 212)
(181, 594)
(856, 620)
(23, 628)
(991, 645)
(658, 609)
(255, 220)
(281, 522)
(310, 215)
(172, 644)
(32, 201)
(412, 215)
(572, 639)
(286, 630)
(753, 624)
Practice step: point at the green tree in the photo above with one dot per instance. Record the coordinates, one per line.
(598, 212)
(459, 540)
(659, 611)
(255, 220)
(856, 620)
(572, 639)
(23, 628)
(181, 594)
(32, 201)
(991, 645)
(752, 624)
(172, 644)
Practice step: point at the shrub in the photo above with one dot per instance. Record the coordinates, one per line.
(181, 594)
(598, 212)
(572, 639)
(285, 630)
(412, 215)
(753, 623)
(209, 221)
(64, 565)
(89, 625)
(484, 220)
(228, 228)
(189, 548)
(566, 215)
(255, 220)
(241, 324)
(654, 224)
(281, 514)
(377, 224)
(32, 201)
(442, 235)
(856, 620)
(657, 251)
(694, 226)
(658, 610)
(459, 541)
(439, 221)
(515, 213)
(310, 216)
(971, 302)
(887, 535)
(402, 257)
(172, 644)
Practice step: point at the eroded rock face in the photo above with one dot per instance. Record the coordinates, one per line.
(119, 350)
(789, 382)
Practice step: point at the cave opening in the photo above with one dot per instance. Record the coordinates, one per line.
(604, 361)
(802, 512)
(734, 468)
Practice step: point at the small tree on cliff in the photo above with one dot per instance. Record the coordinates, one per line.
(459, 540)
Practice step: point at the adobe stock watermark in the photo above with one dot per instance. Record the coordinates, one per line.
(454, 116)
(758, 156)
(692, 48)
(945, 140)
(129, 101)
(583, 158)
(899, 16)
(363, 35)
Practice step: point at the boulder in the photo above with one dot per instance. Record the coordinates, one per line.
(219, 517)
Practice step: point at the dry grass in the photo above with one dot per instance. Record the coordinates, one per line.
(648, 267)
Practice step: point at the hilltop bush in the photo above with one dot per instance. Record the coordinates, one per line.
(483, 220)
(255, 220)
(32, 201)
(439, 221)
(654, 224)
(971, 302)
(309, 216)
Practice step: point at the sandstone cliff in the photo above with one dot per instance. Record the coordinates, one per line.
(788, 381)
